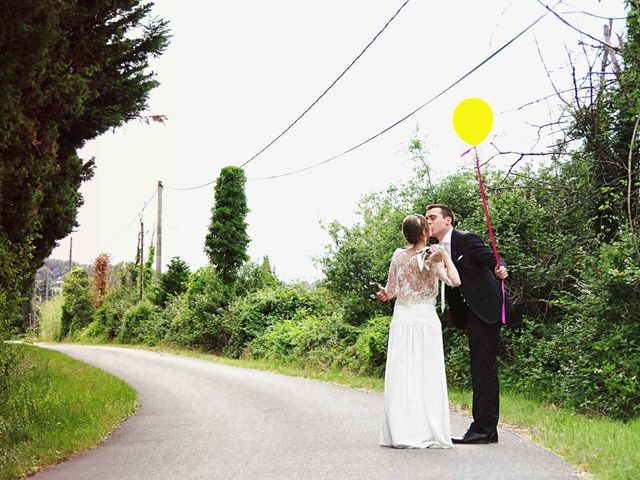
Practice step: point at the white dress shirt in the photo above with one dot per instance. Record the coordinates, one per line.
(446, 242)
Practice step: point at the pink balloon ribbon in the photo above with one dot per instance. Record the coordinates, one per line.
(486, 214)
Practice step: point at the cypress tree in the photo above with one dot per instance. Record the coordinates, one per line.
(227, 240)
(69, 72)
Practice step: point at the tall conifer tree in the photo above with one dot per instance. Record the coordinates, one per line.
(227, 240)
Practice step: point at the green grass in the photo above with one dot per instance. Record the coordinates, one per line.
(605, 448)
(50, 316)
(56, 407)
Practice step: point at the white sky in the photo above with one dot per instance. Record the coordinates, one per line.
(237, 73)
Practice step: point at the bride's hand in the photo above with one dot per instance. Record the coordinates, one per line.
(382, 294)
(437, 252)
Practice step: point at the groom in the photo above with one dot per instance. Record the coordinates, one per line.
(477, 304)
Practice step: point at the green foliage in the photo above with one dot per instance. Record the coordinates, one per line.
(173, 282)
(201, 322)
(150, 287)
(456, 354)
(227, 240)
(110, 315)
(15, 258)
(77, 309)
(603, 120)
(371, 347)
(250, 316)
(70, 71)
(321, 342)
(358, 257)
(591, 360)
(57, 407)
(137, 323)
(253, 277)
(50, 319)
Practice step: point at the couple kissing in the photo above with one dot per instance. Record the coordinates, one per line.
(416, 409)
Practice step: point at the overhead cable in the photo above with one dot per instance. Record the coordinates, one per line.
(138, 215)
(432, 99)
(329, 87)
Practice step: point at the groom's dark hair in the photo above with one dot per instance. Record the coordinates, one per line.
(446, 211)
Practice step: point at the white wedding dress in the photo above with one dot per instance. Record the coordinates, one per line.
(416, 407)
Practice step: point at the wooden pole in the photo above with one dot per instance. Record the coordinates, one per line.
(159, 233)
(70, 253)
(141, 259)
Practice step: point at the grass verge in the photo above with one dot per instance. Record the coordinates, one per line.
(56, 407)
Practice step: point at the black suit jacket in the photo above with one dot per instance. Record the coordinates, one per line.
(481, 290)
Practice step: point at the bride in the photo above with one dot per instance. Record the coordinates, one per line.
(416, 407)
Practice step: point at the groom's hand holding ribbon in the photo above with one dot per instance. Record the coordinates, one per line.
(501, 272)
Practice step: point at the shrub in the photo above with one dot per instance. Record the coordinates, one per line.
(318, 341)
(590, 360)
(77, 309)
(201, 321)
(173, 282)
(456, 354)
(250, 316)
(371, 347)
(110, 315)
(137, 322)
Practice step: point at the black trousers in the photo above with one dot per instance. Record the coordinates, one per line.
(484, 342)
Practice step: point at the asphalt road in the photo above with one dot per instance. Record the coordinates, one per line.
(203, 420)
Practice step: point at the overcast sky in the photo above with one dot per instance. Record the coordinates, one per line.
(237, 73)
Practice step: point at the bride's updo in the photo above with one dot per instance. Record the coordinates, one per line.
(413, 226)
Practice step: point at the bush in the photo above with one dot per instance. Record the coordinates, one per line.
(173, 282)
(201, 320)
(250, 316)
(371, 347)
(138, 321)
(77, 309)
(109, 317)
(253, 276)
(172, 310)
(456, 357)
(591, 360)
(307, 339)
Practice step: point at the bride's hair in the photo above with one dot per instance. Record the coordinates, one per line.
(413, 226)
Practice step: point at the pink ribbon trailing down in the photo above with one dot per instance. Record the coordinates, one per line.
(486, 214)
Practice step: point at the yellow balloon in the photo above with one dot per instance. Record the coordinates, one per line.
(472, 120)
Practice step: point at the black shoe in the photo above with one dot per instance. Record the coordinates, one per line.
(475, 438)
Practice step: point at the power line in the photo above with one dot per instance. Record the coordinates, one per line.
(138, 215)
(551, 9)
(435, 97)
(582, 12)
(191, 188)
(330, 86)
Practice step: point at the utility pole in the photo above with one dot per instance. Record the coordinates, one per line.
(159, 233)
(141, 259)
(70, 253)
(46, 283)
